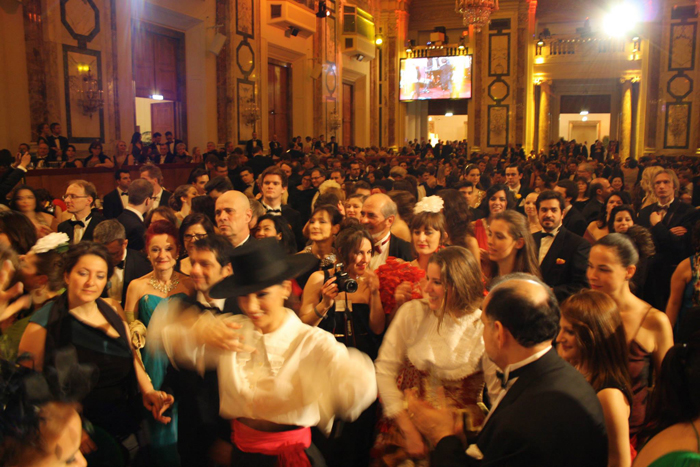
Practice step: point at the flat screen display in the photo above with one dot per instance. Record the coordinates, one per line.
(436, 78)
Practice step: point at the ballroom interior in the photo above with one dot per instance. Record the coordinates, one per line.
(219, 70)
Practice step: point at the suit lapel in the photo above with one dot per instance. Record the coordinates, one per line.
(672, 209)
(553, 253)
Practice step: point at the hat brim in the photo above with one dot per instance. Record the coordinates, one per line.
(231, 287)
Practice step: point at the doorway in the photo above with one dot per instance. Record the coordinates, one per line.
(278, 97)
(348, 115)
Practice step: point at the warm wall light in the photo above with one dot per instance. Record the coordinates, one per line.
(539, 60)
(448, 114)
(157, 97)
(379, 40)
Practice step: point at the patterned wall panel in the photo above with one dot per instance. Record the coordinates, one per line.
(245, 65)
(500, 83)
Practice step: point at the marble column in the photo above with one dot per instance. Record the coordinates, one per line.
(543, 130)
(626, 120)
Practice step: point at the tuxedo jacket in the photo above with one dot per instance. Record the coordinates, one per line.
(112, 204)
(400, 248)
(164, 198)
(8, 180)
(135, 265)
(294, 220)
(592, 210)
(67, 228)
(564, 267)
(520, 202)
(670, 248)
(135, 229)
(250, 145)
(259, 163)
(550, 417)
(574, 222)
(199, 423)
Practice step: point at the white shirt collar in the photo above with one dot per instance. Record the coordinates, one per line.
(383, 242)
(267, 206)
(132, 209)
(218, 303)
(667, 204)
(522, 363)
(246, 239)
(85, 219)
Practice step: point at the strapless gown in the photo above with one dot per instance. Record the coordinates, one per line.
(163, 437)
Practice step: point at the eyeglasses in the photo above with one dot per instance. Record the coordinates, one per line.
(194, 237)
(153, 198)
(70, 197)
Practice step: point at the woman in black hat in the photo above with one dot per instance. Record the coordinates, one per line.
(277, 376)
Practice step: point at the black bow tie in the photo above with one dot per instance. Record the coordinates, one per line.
(206, 307)
(273, 211)
(547, 234)
(120, 264)
(76, 223)
(512, 374)
(124, 193)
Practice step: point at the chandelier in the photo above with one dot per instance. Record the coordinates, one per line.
(88, 92)
(334, 120)
(476, 12)
(251, 112)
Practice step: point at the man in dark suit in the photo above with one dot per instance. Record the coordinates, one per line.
(80, 198)
(664, 220)
(171, 142)
(57, 143)
(513, 178)
(200, 427)
(378, 214)
(274, 184)
(251, 144)
(116, 200)
(11, 177)
(259, 161)
(563, 255)
(600, 189)
(334, 146)
(128, 264)
(153, 175)
(573, 220)
(275, 147)
(155, 142)
(233, 215)
(140, 199)
(546, 414)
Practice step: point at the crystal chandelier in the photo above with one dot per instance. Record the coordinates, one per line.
(251, 112)
(476, 12)
(88, 92)
(335, 120)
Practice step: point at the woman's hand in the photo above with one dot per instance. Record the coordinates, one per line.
(6, 295)
(372, 280)
(413, 442)
(328, 292)
(87, 445)
(158, 402)
(403, 293)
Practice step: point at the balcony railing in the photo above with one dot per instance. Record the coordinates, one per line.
(562, 46)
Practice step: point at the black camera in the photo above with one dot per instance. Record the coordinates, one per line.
(342, 279)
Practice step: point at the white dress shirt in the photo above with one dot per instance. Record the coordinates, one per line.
(298, 375)
(380, 258)
(214, 302)
(79, 231)
(124, 198)
(546, 242)
(156, 201)
(138, 213)
(450, 351)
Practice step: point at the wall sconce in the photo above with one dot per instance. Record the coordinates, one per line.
(378, 39)
(636, 44)
(538, 45)
(323, 10)
(86, 90)
(539, 60)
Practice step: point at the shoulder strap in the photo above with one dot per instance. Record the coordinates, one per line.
(641, 323)
(114, 320)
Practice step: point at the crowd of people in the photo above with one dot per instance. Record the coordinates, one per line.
(320, 305)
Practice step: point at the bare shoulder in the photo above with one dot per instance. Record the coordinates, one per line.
(679, 437)
(656, 321)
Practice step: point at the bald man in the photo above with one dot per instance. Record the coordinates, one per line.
(546, 413)
(233, 214)
(378, 215)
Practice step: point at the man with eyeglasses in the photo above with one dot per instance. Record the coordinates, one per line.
(140, 201)
(80, 196)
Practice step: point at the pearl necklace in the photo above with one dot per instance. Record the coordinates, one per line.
(166, 289)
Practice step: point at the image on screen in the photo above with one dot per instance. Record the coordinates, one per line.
(436, 78)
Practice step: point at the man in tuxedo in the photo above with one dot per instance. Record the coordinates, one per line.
(671, 239)
(275, 147)
(128, 264)
(355, 172)
(378, 214)
(247, 182)
(200, 429)
(233, 215)
(10, 177)
(573, 220)
(153, 175)
(259, 161)
(140, 200)
(251, 144)
(116, 200)
(164, 156)
(57, 143)
(600, 189)
(546, 414)
(274, 185)
(563, 255)
(80, 198)
(199, 179)
(334, 146)
(513, 178)
(171, 142)
(155, 142)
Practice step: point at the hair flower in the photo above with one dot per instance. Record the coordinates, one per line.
(54, 241)
(429, 204)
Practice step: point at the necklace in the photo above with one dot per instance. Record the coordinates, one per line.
(166, 289)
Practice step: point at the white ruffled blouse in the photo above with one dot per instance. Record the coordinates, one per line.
(299, 375)
(451, 353)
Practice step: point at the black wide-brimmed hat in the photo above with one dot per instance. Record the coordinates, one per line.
(260, 264)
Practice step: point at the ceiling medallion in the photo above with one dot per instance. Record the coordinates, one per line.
(476, 12)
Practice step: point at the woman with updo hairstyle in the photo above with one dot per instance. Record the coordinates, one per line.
(433, 342)
(194, 227)
(592, 339)
(24, 200)
(17, 232)
(270, 225)
(600, 227)
(324, 305)
(621, 218)
(530, 208)
(321, 230)
(498, 199)
(93, 326)
(612, 264)
(511, 245)
(353, 205)
(405, 202)
(458, 222)
(181, 201)
(582, 199)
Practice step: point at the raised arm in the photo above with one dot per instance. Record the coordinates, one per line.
(317, 299)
